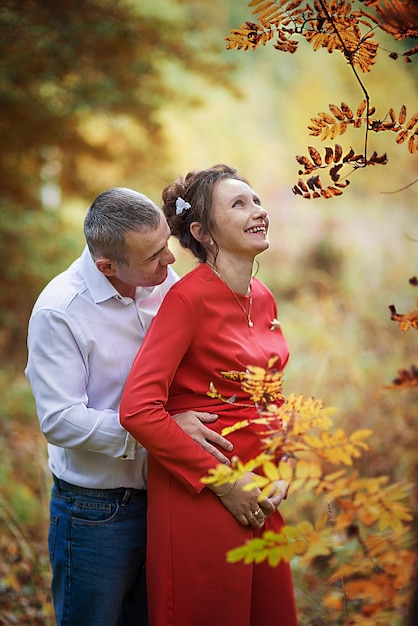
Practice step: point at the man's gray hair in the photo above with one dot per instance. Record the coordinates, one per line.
(114, 213)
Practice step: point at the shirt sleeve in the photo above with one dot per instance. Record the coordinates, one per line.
(145, 395)
(58, 371)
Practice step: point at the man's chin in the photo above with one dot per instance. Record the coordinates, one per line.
(155, 280)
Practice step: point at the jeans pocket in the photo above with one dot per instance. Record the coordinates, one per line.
(94, 512)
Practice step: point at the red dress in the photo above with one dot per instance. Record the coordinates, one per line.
(201, 330)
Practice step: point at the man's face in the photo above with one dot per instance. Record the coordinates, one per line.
(147, 264)
(148, 257)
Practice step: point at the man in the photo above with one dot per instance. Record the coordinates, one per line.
(84, 332)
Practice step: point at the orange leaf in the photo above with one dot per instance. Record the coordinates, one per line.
(325, 117)
(338, 153)
(361, 108)
(336, 111)
(316, 157)
(329, 153)
(347, 111)
(402, 115)
(414, 119)
(403, 135)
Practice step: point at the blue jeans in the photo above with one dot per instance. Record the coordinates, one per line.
(97, 541)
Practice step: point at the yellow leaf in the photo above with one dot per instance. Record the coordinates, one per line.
(271, 471)
(258, 481)
(237, 554)
(361, 434)
(266, 492)
(297, 484)
(287, 552)
(273, 557)
(314, 442)
(302, 469)
(311, 484)
(335, 475)
(237, 426)
(285, 471)
(315, 549)
(304, 528)
(386, 521)
(339, 456)
(369, 515)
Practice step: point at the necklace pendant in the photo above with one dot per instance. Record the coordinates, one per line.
(250, 323)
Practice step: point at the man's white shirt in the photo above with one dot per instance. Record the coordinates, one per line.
(83, 337)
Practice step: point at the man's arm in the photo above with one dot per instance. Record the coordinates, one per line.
(59, 371)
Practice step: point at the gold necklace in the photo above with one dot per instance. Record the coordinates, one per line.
(250, 304)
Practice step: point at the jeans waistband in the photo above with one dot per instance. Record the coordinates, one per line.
(123, 493)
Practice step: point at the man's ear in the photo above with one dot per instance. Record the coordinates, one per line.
(106, 267)
(198, 233)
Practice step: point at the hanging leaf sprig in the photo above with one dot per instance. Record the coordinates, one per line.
(337, 26)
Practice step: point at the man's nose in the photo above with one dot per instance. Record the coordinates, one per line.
(169, 257)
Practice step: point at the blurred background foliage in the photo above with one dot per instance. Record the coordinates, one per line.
(134, 92)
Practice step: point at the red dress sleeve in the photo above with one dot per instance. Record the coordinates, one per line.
(142, 409)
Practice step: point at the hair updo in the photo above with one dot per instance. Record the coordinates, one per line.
(196, 189)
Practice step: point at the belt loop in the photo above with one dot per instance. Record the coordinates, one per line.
(126, 497)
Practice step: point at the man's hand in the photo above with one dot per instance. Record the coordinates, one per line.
(193, 423)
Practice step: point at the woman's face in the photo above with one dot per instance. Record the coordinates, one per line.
(240, 223)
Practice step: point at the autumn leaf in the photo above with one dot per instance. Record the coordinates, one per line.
(405, 320)
(405, 379)
(237, 426)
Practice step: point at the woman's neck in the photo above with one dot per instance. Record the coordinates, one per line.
(235, 273)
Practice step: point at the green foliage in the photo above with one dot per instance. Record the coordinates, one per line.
(32, 248)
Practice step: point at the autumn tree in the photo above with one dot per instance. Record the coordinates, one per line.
(81, 89)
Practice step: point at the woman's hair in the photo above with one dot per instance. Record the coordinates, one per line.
(114, 213)
(195, 189)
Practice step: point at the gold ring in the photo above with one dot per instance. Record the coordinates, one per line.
(257, 512)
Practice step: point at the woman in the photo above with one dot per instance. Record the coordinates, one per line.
(216, 318)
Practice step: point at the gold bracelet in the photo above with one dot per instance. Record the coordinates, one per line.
(221, 495)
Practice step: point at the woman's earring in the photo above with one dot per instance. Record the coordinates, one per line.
(211, 242)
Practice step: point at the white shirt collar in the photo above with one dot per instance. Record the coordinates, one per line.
(100, 288)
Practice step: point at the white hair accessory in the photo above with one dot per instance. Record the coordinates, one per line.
(181, 205)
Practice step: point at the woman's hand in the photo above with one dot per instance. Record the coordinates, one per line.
(278, 493)
(243, 505)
